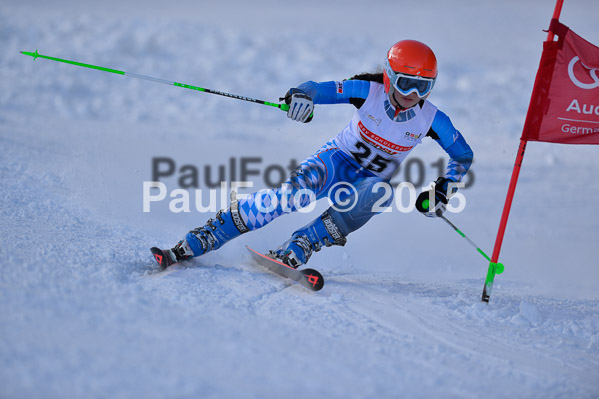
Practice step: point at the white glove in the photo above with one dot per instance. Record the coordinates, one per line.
(300, 108)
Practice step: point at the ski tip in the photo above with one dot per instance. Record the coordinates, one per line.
(314, 278)
(159, 257)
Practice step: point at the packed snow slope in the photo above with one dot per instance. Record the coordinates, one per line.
(84, 312)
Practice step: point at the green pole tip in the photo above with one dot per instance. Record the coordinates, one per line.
(34, 55)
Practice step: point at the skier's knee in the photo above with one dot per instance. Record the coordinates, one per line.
(369, 197)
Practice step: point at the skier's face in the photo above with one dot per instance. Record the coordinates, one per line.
(398, 100)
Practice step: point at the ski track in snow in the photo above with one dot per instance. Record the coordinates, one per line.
(84, 312)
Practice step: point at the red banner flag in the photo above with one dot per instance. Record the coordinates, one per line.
(564, 107)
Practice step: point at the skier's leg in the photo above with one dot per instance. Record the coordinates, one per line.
(306, 184)
(322, 231)
(333, 226)
(226, 225)
(258, 209)
(371, 197)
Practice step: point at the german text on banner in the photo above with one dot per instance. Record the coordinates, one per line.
(565, 102)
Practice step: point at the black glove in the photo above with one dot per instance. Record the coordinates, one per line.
(439, 194)
(301, 106)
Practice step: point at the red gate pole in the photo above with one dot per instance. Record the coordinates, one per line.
(512, 187)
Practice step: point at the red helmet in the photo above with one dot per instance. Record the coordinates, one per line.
(412, 58)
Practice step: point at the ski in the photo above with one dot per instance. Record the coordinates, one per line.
(161, 257)
(309, 278)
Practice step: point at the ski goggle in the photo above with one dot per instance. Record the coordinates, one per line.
(407, 84)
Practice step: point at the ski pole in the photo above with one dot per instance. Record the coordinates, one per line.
(36, 55)
(498, 267)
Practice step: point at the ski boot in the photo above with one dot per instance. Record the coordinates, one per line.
(297, 250)
(226, 226)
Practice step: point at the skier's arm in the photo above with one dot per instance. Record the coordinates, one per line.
(460, 160)
(335, 92)
(452, 141)
(301, 99)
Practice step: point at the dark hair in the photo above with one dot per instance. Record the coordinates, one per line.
(371, 77)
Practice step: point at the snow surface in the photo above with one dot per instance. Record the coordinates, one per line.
(83, 311)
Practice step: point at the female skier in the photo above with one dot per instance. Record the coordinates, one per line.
(392, 116)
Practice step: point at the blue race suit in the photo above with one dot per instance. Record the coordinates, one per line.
(366, 152)
(332, 164)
